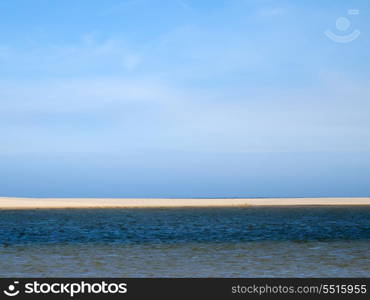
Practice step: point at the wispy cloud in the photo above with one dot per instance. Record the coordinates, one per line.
(89, 53)
(152, 114)
(195, 87)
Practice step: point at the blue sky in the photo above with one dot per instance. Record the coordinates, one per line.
(184, 98)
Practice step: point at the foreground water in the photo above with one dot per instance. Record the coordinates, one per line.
(209, 242)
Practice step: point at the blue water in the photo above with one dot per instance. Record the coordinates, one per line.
(228, 242)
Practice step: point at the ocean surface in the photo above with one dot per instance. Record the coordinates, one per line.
(201, 242)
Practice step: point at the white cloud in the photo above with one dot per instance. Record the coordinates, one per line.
(79, 95)
(106, 114)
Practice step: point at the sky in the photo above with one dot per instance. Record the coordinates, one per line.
(184, 98)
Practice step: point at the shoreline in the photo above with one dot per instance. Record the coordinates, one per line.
(12, 203)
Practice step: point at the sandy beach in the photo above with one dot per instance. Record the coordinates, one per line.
(59, 203)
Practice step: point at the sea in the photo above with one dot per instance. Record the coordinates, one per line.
(312, 241)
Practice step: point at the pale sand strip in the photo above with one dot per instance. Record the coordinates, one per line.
(44, 203)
